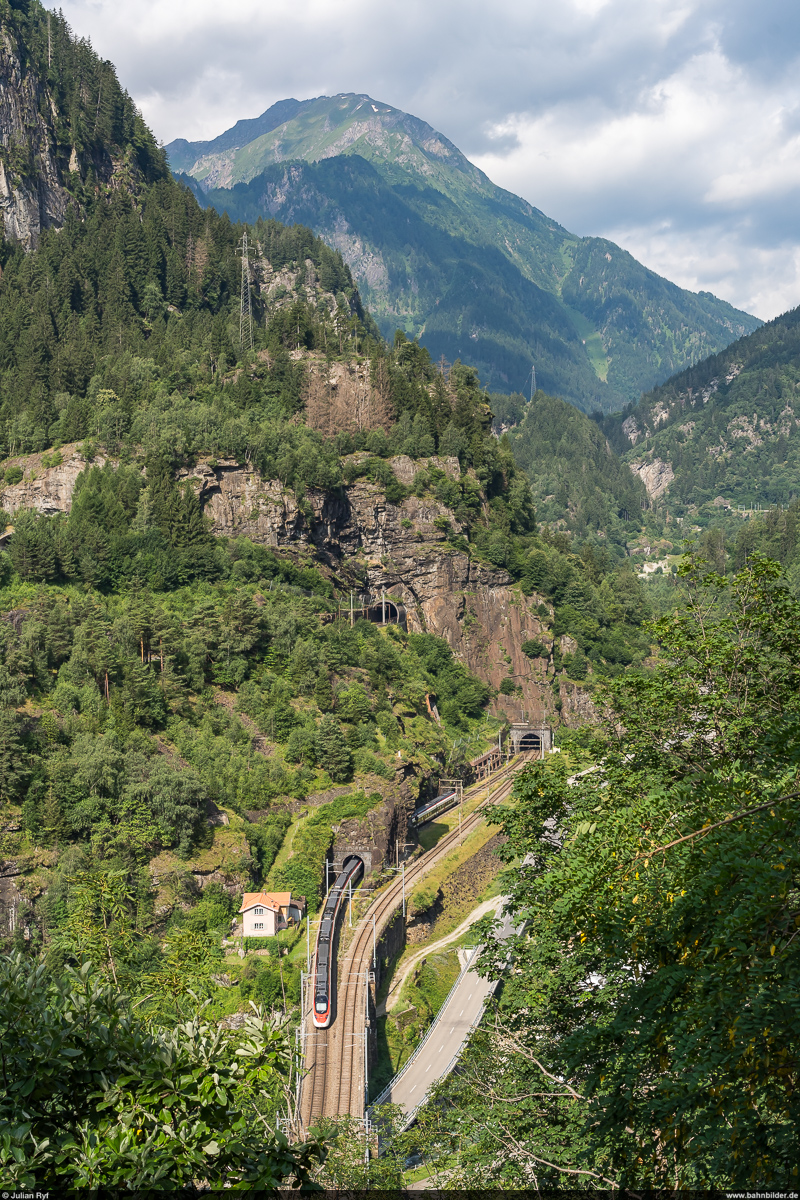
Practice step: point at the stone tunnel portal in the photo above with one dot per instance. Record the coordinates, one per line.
(526, 737)
(386, 612)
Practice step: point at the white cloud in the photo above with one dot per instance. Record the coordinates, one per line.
(673, 127)
(699, 178)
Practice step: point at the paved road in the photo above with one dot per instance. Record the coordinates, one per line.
(449, 1032)
(393, 995)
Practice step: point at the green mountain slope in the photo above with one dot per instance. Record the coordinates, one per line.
(728, 427)
(578, 480)
(441, 252)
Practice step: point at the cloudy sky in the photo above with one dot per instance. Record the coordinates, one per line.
(670, 126)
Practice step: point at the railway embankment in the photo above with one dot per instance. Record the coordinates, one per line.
(459, 890)
(337, 1068)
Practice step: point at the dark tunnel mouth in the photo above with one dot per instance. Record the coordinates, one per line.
(375, 613)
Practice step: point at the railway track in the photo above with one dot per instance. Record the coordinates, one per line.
(335, 1081)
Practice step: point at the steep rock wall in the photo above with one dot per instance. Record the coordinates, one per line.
(357, 533)
(398, 548)
(35, 170)
(38, 199)
(47, 489)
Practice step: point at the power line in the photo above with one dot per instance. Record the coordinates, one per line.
(245, 310)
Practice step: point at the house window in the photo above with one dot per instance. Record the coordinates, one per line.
(258, 925)
(259, 912)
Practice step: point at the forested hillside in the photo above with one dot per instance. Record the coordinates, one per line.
(577, 479)
(647, 1034)
(198, 518)
(188, 709)
(442, 253)
(155, 672)
(728, 427)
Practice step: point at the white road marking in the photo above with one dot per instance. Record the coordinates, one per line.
(461, 1013)
(412, 1089)
(428, 1068)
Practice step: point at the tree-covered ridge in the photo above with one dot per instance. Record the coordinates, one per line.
(89, 124)
(727, 426)
(576, 477)
(464, 299)
(139, 300)
(121, 736)
(440, 251)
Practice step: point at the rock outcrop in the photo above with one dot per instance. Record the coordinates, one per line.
(375, 836)
(577, 706)
(32, 201)
(655, 474)
(404, 549)
(48, 489)
(40, 173)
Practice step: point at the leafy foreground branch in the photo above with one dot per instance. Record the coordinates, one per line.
(648, 1029)
(92, 1097)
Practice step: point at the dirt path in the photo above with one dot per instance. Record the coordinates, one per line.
(393, 994)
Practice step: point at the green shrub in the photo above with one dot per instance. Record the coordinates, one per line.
(304, 873)
(261, 943)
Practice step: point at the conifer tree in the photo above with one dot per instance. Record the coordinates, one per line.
(12, 770)
(332, 750)
(323, 693)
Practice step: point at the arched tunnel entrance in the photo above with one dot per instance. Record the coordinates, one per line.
(529, 738)
(386, 612)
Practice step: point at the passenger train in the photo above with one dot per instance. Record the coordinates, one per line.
(324, 977)
(421, 815)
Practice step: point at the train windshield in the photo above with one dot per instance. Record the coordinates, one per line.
(320, 1005)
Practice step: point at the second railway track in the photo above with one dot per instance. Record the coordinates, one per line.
(335, 1082)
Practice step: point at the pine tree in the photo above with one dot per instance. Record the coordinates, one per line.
(165, 506)
(332, 750)
(52, 818)
(323, 693)
(12, 771)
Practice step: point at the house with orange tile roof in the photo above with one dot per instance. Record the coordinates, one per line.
(265, 913)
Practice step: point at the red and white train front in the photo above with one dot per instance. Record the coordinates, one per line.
(324, 979)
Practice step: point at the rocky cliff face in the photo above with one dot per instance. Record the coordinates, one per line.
(47, 489)
(398, 549)
(34, 200)
(41, 166)
(655, 474)
(375, 546)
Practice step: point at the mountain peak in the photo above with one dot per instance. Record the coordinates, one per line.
(441, 252)
(325, 127)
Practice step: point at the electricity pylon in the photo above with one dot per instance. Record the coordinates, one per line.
(245, 311)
